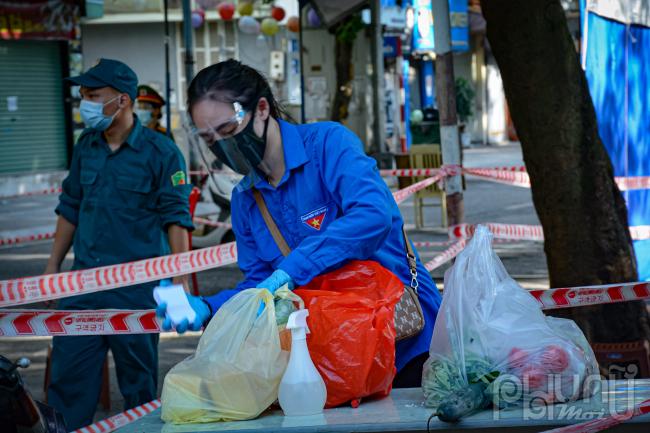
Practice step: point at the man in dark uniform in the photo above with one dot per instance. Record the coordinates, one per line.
(149, 108)
(125, 198)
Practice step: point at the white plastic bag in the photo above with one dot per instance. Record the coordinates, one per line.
(236, 370)
(491, 330)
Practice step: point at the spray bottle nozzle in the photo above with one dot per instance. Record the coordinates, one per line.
(298, 320)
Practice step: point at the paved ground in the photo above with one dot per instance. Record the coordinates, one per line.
(484, 202)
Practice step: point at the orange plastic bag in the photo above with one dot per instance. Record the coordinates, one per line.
(352, 339)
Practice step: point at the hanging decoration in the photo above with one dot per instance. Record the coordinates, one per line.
(278, 13)
(293, 24)
(226, 10)
(245, 8)
(249, 25)
(269, 26)
(312, 18)
(198, 18)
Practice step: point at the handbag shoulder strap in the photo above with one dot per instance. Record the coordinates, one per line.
(284, 247)
(270, 223)
(410, 257)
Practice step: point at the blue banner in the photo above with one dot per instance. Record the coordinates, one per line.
(423, 39)
(407, 102)
(390, 46)
(617, 61)
(459, 19)
(422, 26)
(427, 84)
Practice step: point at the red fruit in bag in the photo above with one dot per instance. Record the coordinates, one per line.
(517, 358)
(554, 359)
(533, 378)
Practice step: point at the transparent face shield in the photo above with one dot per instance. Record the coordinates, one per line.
(232, 142)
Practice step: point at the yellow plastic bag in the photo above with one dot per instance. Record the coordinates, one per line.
(236, 370)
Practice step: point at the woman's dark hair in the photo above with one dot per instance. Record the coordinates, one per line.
(231, 81)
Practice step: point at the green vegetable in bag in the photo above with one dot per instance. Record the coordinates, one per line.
(283, 309)
(443, 377)
(463, 402)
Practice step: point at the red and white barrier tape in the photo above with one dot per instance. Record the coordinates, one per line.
(47, 191)
(506, 168)
(431, 244)
(410, 172)
(405, 193)
(18, 323)
(603, 423)
(591, 295)
(633, 183)
(517, 176)
(25, 290)
(525, 232)
(500, 231)
(445, 256)
(217, 172)
(26, 239)
(121, 419)
(640, 233)
(115, 322)
(211, 223)
(508, 177)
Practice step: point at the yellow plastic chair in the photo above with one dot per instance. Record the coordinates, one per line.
(424, 156)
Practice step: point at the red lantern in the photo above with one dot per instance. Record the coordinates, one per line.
(293, 24)
(278, 13)
(226, 10)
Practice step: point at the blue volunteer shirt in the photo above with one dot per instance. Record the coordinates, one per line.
(122, 202)
(332, 206)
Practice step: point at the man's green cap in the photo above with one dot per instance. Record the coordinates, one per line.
(109, 73)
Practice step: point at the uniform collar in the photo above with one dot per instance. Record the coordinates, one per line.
(294, 152)
(132, 139)
(294, 148)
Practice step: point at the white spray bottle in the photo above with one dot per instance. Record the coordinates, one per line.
(302, 390)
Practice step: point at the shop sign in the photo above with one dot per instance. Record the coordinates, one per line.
(38, 19)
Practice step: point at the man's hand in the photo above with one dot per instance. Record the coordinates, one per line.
(51, 269)
(183, 280)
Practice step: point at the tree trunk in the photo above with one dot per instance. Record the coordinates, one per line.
(579, 205)
(343, 54)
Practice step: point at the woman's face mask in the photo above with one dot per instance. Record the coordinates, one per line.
(92, 114)
(242, 151)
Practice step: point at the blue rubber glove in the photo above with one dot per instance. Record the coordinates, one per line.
(277, 279)
(198, 305)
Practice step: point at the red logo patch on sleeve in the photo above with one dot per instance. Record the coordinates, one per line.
(314, 219)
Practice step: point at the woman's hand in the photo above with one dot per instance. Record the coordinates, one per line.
(198, 305)
(277, 279)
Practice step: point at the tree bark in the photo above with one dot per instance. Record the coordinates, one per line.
(344, 73)
(578, 203)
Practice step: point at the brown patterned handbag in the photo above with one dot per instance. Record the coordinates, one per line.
(409, 319)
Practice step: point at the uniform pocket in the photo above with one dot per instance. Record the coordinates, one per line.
(140, 185)
(133, 193)
(87, 177)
